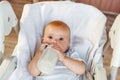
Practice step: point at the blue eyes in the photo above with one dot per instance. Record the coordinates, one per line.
(60, 39)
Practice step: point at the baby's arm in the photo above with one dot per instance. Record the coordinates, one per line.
(32, 67)
(75, 65)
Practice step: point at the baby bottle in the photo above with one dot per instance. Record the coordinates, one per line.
(48, 60)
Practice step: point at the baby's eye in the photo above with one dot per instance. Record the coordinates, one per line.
(61, 39)
(50, 37)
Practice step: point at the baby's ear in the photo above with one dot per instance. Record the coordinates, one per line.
(42, 39)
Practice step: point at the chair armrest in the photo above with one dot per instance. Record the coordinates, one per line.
(100, 73)
(7, 67)
(0, 57)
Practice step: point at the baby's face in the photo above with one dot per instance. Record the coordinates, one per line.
(58, 37)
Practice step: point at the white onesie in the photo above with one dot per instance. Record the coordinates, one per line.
(61, 72)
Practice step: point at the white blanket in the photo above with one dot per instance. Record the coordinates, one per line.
(86, 22)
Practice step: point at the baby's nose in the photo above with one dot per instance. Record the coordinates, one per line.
(55, 41)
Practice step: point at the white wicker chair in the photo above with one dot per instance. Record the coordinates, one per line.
(8, 20)
(114, 36)
(85, 21)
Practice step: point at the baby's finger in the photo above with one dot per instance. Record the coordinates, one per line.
(61, 56)
(43, 46)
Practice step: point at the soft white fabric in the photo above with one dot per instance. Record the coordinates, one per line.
(86, 24)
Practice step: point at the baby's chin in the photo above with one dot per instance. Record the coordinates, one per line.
(66, 50)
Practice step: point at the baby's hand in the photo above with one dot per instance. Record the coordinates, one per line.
(61, 55)
(43, 46)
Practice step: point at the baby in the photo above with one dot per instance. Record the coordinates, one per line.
(69, 64)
